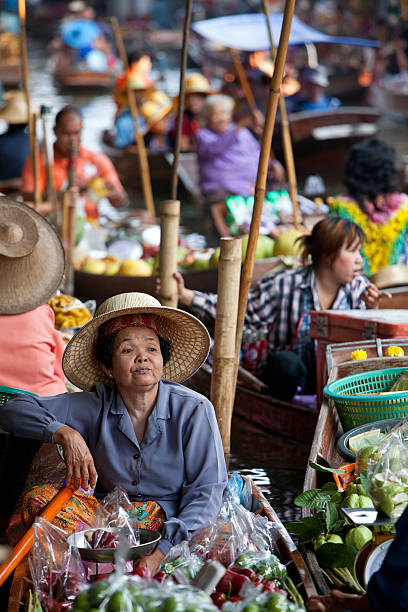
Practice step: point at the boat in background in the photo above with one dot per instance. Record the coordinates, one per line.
(72, 78)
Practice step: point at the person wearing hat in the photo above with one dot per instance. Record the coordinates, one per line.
(14, 142)
(68, 132)
(134, 426)
(197, 88)
(311, 96)
(156, 113)
(31, 349)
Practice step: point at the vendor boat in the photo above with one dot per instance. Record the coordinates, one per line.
(69, 77)
(10, 74)
(324, 449)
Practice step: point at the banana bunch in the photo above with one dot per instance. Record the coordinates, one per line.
(69, 311)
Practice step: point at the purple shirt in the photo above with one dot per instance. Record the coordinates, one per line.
(228, 160)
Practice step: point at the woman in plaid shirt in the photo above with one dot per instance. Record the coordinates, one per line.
(281, 302)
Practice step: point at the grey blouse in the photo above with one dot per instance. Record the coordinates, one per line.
(179, 463)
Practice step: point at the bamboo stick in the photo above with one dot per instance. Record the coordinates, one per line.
(260, 185)
(24, 60)
(24, 545)
(223, 366)
(169, 222)
(286, 137)
(36, 161)
(180, 110)
(141, 149)
(242, 77)
(50, 189)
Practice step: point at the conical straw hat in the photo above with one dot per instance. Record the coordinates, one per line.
(15, 109)
(188, 337)
(31, 258)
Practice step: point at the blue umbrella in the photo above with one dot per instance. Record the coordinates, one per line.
(249, 32)
(79, 33)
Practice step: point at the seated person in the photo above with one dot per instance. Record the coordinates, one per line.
(88, 165)
(311, 96)
(133, 426)
(156, 114)
(331, 281)
(197, 89)
(14, 143)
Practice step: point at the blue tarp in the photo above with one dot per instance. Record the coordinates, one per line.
(249, 32)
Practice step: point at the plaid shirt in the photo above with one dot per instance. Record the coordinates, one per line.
(280, 303)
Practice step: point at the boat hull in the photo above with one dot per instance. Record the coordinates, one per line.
(85, 79)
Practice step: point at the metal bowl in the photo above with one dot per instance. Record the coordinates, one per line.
(148, 543)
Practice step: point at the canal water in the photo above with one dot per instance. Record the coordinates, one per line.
(276, 464)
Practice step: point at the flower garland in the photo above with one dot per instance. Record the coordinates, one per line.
(385, 243)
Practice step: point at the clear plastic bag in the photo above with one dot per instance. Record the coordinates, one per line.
(69, 311)
(387, 473)
(181, 563)
(56, 570)
(115, 523)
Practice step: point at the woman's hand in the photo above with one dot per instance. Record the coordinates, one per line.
(78, 459)
(152, 562)
(337, 601)
(372, 295)
(185, 296)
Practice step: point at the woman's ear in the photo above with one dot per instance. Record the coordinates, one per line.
(107, 371)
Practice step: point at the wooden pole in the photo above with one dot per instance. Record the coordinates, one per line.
(35, 150)
(24, 60)
(169, 222)
(50, 189)
(286, 137)
(180, 110)
(141, 149)
(24, 545)
(242, 77)
(223, 366)
(260, 184)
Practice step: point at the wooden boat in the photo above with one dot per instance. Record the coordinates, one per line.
(85, 78)
(263, 411)
(328, 430)
(388, 100)
(322, 140)
(10, 74)
(100, 286)
(284, 548)
(125, 161)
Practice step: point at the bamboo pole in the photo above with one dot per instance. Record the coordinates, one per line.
(286, 137)
(223, 366)
(260, 185)
(35, 150)
(169, 222)
(24, 545)
(180, 110)
(242, 77)
(24, 60)
(141, 149)
(48, 162)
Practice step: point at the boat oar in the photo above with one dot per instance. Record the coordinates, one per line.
(24, 545)
(141, 149)
(223, 365)
(260, 184)
(180, 110)
(286, 137)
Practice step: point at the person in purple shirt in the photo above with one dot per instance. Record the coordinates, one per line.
(133, 426)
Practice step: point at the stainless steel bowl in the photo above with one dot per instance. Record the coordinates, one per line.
(148, 543)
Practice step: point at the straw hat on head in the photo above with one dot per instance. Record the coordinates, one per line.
(188, 337)
(197, 83)
(390, 276)
(152, 112)
(15, 107)
(31, 258)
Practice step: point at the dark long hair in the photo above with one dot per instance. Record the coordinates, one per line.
(370, 171)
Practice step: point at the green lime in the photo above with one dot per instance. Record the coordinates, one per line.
(172, 605)
(117, 602)
(251, 608)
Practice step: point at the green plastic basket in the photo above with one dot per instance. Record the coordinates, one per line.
(7, 393)
(361, 398)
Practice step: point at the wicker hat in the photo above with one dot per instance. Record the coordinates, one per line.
(390, 276)
(152, 112)
(197, 83)
(188, 337)
(31, 258)
(15, 108)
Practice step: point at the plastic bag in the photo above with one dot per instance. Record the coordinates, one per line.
(115, 524)
(181, 563)
(69, 311)
(130, 593)
(387, 472)
(56, 570)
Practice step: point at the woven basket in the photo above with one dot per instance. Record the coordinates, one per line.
(363, 398)
(7, 393)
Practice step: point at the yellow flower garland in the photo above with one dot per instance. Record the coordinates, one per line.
(378, 247)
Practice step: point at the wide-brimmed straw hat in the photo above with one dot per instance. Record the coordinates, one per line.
(31, 258)
(390, 276)
(188, 337)
(197, 83)
(152, 112)
(15, 107)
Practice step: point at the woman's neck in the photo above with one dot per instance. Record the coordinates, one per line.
(327, 287)
(139, 404)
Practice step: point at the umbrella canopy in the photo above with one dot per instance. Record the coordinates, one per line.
(79, 33)
(249, 32)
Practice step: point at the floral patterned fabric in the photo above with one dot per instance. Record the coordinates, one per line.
(82, 508)
(386, 241)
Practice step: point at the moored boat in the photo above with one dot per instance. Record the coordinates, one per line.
(69, 77)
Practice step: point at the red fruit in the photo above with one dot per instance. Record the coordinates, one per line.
(219, 599)
(161, 576)
(143, 572)
(270, 587)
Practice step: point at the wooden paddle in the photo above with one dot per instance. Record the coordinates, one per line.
(24, 545)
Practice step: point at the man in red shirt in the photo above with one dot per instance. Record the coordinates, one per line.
(88, 165)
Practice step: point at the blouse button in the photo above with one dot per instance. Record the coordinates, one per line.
(136, 456)
(134, 482)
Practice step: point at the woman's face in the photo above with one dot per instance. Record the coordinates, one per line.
(195, 103)
(219, 118)
(348, 263)
(137, 362)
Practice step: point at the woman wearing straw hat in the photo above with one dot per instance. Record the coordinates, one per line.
(133, 426)
(14, 143)
(197, 88)
(31, 349)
